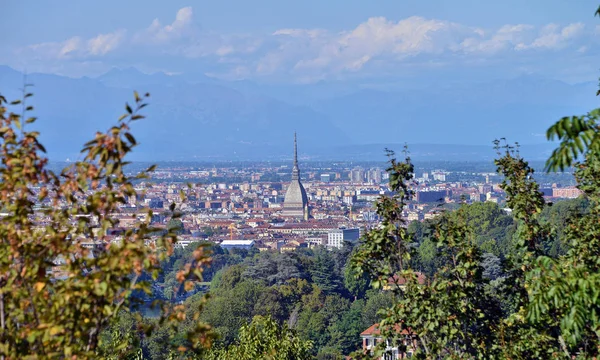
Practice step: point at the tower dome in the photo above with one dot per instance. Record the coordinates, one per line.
(295, 203)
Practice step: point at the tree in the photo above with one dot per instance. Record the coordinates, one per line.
(264, 339)
(357, 284)
(275, 268)
(521, 335)
(175, 225)
(376, 301)
(56, 295)
(272, 303)
(228, 309)
(454, 313)
(121, 340)
(345, 331)
(322, 272)
(537, 304)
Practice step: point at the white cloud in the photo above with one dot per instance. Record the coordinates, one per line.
(70, 46)
(382, 42)
(224, 50)
(378, 44)
(105, 43)
(554, 37)
(506, 38)
(380, 37)
(182, 26)
(76, 47)
(310, 33)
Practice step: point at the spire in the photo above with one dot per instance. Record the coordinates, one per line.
(295, 170)
(295, 151)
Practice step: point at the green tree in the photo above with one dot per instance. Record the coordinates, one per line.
(56, 295)
(175, 225)
(121, 340)
(533, 304)
(356, 284)
(322, 272)
(376, 302)
(264, 339)
(272, 303)
(557, 217)
(345, 332)
(228, 310)
(454, 314)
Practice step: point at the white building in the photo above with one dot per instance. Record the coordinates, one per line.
(336, 238)
(237, 244)
(439, 175)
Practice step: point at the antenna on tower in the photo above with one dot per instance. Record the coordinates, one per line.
(295, 150)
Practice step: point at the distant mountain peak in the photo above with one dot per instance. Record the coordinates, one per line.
(116, 71)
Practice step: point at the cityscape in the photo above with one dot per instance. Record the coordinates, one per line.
(251, 205)
(299, 180)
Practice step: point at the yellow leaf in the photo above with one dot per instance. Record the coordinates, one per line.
(55, 330)
(39, 286)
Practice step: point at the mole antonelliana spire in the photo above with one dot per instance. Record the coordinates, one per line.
(295, 169)
(295, 203)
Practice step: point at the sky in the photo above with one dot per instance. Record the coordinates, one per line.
(289, 42)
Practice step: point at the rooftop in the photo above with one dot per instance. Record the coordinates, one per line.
(237, 242)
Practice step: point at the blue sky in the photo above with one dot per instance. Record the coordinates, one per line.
(305, 41)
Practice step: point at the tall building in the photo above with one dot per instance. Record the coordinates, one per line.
(374, 176)
(357, 175)
(295, 203)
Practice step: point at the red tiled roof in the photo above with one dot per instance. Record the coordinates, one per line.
(399, 280)
(374, 330)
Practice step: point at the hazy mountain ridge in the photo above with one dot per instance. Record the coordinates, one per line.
(520, 110)
(184, 119)
(192, 116)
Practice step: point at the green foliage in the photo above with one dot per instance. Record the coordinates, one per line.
(263, 338)
(436, 313)
(276, 269)
(376, 301)
(121, 339)
(175, 226)
(322, 274)
(56, 295)
(357, 284)
(290, 288)
(577, 134)
(564, 291)
(475, 305)
(230, 308)
(557, 217)
(525, 200)
(387, 250)
(346, 330)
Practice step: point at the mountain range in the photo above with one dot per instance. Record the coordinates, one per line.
(196, 117)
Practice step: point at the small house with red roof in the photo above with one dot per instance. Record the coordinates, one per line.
(402, 349)
(400, 281)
